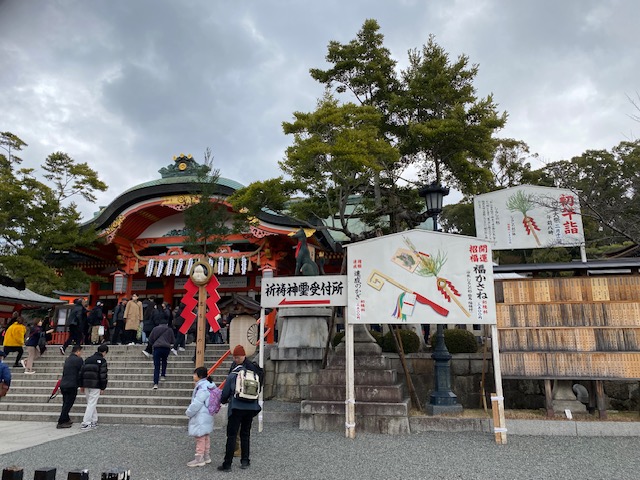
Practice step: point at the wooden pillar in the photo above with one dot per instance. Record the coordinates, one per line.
(548, 398)
(94, 287)
(169, 288)
(600, 400)
(201, 325)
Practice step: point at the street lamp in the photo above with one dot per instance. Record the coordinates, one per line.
(442, 399)
(433, 196)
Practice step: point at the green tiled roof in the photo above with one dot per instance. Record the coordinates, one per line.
(225, 182)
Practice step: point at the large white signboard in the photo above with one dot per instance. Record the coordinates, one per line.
(421, 277)
(320, 291)
(529, 217)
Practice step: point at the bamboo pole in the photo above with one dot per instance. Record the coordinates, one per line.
(397, 339)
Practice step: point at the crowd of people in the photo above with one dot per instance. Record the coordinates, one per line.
(134, 322)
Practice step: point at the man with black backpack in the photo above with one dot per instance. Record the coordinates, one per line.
(241, 390)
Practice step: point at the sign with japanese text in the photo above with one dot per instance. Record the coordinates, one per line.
(529, 217)
(320, 291)
(419, 276)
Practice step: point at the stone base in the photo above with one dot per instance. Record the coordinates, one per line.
(306, 353)
(440, 409)
(565, 399)
(386, 418)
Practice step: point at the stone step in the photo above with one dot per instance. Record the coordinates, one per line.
(115, 382)
(106, 418)
(155, 397)
(313, 407)
(129, 398)
(122, 392)
(360, 377)
(376, 362)
(112, 384)
(364, 393)
(79, 407)
(385, 424)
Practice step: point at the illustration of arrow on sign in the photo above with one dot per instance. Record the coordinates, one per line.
(305, 302)
(377, 279)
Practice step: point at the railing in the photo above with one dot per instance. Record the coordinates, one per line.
(228, 352)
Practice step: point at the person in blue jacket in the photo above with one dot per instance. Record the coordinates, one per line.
(240, 413)
(5, 371)
(200, 420)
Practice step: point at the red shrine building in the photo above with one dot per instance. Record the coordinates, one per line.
(141, 239)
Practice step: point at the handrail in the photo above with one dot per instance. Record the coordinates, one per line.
(227, 353)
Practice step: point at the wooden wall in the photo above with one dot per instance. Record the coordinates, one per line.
(573, 328)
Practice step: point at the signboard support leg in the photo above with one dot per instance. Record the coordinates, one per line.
(261, 363)
(497, 400)
(350, 404)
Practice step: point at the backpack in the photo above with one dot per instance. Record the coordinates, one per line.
(215, 397)
(247, 384)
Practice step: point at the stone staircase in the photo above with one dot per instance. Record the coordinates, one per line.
(129, 397)
(381, 403)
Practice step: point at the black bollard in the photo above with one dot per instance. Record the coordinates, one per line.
(45, 474)
(117, 474)
(78, 475)
(12, 473)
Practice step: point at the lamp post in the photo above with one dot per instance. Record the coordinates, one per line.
(442, 399)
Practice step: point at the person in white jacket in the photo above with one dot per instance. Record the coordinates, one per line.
(200, 420)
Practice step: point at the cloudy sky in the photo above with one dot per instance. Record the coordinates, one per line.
(126, 84)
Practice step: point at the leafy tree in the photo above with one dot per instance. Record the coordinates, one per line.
(70, 178)
(208, 221)
(363, 67)
(607, 184)
(335, 154)
(510, 162)
(348, 160)
(444, 128)
(34, 222)
(9, 143)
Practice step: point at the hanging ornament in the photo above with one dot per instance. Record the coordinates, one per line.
(169, 267)
(250, 267)
(149, 269)
(179, 267)
(160, 267)
(189, 266)
(211, 262)
(231, 265)
(243, 263)
(220, 265)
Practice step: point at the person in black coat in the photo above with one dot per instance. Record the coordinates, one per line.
(93, 381)
(74, 321)
(118, 320)
(240, 411)
(95, 322)
(69, 385)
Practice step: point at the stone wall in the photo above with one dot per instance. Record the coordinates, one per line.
(293, 380)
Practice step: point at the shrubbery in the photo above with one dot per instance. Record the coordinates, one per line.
(458, 340)
(410, 342)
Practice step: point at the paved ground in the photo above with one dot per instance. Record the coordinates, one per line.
(283, 451)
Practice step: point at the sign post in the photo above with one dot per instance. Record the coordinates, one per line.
(311, 291)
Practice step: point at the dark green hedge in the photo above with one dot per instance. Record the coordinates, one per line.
(410, 342)
(458, 340)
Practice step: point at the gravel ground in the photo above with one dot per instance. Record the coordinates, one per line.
(282, 451)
